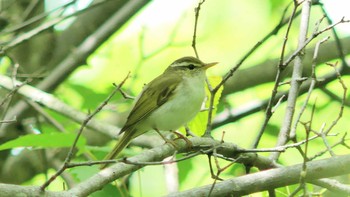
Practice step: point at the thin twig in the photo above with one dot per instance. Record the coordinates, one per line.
(146, 56)
(53, 103)
(8, 97)
(278, 103)
(197, 9)
(298, 51)
(323, 135)
(292, 134)
(47, 116)
(47, 25)
(303, 172)
(36, 19)
(211, 90)
(79, 55)
(191, 155)
(219, 171)
(340, 142)
(281, 23)
(278, 148)
(268, 111)
(312, 37)
(235, 68)
(336, 38)
(343, 98)
(125, 95)
(206, 150)
(82, 127)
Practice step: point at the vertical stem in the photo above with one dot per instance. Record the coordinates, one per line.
(295, 81)
(281, 67)
(197, 9)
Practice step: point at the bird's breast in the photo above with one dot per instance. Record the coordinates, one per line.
(182, 107)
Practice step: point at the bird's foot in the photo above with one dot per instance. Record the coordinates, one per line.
(167, 140)
(180, 136)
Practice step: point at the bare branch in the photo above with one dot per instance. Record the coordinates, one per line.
(197, 9)
(269, 112)
(343, 98)
(55, 104)
(295, 83)
(79, 55)
(274, 178)
(312, 86)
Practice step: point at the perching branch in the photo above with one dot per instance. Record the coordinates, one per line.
(275, 178)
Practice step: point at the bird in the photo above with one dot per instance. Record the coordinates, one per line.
(167, 102)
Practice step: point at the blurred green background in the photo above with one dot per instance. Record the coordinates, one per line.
(162, 32)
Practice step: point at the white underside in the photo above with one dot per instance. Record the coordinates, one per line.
(182, 108)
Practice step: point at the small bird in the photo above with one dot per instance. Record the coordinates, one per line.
(168, 102)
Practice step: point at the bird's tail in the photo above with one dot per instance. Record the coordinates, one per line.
(123, 142)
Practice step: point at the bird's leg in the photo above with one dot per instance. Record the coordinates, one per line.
(167, 140)
(180, 136)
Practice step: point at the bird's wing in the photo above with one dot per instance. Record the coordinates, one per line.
(151, 99)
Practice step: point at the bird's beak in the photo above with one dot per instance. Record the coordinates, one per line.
(206, 66)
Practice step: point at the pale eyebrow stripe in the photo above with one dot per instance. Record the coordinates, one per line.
(184, 64)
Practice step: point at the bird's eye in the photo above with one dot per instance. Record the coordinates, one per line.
(191, 66)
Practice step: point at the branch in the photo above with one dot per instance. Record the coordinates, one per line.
(295, 81)
(312, 86)
(238, 113)
(82, 127)
(278, 78)
(79, 55)
(119, 170)
(51, 102)
(275, 178)
(265, 72)
(197, 10)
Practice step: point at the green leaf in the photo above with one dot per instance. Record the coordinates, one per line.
(90, 97)
(199, 123)
(82, 173)
(49, 140)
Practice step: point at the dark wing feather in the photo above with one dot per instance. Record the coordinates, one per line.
(151, 99)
